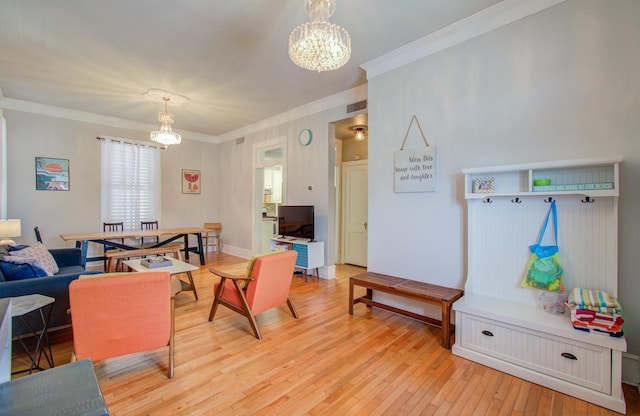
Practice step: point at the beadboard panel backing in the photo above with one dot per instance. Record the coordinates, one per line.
(503, 231)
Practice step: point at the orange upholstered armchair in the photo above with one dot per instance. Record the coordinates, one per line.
(265, 285)
(122, 313)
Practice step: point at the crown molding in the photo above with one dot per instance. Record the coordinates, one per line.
(83, 116)
(352, 95)
(342, 98)
(487, 20)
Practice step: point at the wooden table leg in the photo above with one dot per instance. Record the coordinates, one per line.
(200, 249)
(446, 325)
(350, 296)
(186, 247)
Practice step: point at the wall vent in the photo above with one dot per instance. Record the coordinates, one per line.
(240, 140)
(360, 105)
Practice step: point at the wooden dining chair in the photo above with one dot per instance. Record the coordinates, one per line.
(149, 225)
(38, 236)
(112, 226)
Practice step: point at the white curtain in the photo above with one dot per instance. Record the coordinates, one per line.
(130, 185)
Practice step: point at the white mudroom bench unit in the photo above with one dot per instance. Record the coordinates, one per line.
(498, 322)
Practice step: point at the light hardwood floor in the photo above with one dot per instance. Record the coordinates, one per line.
(325, 363)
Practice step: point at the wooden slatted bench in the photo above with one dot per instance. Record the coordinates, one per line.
(119, 255)
(411, 289)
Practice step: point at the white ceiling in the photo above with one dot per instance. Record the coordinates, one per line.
(228, 56)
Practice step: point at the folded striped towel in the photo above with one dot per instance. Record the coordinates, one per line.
(587, 316)
(598, 331)
(594, 326)
(594, 300)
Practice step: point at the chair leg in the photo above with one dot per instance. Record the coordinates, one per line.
(172, 336)
(193, 285)
(216, 299)
(247, 310)
(292, 308)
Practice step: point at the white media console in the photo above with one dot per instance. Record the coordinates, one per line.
(310, 253)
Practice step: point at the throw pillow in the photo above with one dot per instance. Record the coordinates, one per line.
(43, 257)
(243, 283)
(17, 268)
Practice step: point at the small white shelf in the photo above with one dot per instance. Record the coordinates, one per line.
(594, 177)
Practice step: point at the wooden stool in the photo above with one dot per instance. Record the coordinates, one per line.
(211, 237)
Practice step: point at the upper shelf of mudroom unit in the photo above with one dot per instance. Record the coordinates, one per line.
(591, 177)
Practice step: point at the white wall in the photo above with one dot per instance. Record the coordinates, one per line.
(560, 84)
(59, 212)
(306, 166)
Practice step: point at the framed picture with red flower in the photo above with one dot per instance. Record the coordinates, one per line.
(190, 181)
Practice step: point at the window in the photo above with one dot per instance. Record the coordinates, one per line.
(130, 183)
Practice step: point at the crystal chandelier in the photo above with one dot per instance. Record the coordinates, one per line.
(319, 45)
(165, 135)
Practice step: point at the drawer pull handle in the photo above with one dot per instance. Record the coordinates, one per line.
(487, 333)
(569, 356)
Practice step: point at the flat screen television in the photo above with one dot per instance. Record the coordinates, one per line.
(296, 221)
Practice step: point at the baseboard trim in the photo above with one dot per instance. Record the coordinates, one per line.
(237, 251)
(631, 369)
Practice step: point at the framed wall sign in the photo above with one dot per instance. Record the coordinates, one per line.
(190, 181)
(52, 174)
(414, 170)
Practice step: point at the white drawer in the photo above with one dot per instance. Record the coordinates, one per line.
(583, 364)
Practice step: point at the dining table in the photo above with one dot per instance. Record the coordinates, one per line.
(118, 239)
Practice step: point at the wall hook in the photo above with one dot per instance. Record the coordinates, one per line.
(588, 199)
(549, 200)
(487, 200)
(516, 200)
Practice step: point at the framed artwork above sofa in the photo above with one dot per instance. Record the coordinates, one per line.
(52, 174)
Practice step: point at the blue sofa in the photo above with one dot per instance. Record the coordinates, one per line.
(70, 262)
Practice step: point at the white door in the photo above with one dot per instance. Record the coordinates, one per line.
(355, 212)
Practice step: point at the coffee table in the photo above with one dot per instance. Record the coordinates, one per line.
(176, 267)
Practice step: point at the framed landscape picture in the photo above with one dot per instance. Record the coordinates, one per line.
(190, 181)
(52, 174)
(484, 186)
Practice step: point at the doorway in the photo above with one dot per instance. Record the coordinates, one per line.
(351, 191)
(269, 188)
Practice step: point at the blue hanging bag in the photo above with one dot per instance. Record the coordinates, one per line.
(545, 270)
